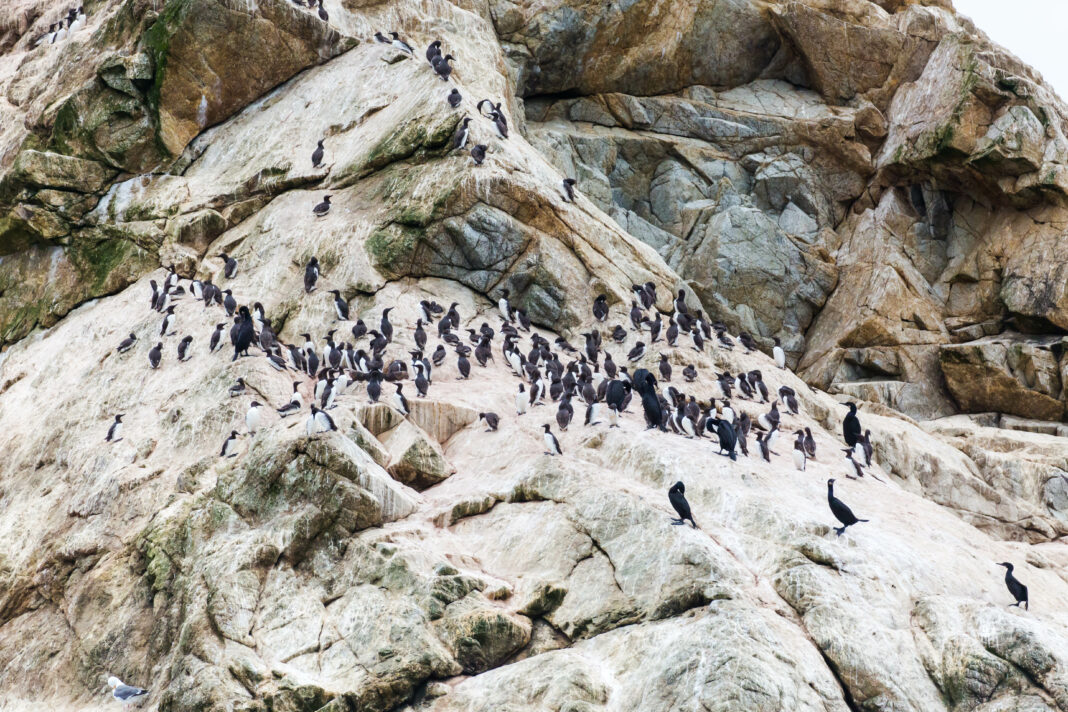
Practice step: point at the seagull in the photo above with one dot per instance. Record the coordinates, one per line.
(126, 695)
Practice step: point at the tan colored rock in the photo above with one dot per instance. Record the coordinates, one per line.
(414, 458)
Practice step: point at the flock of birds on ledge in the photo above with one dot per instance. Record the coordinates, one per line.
(59, 31)
(592, 378)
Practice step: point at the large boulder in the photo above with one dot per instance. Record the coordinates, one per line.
(1016, 376)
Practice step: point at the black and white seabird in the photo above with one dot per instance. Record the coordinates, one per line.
(155, 354)
(311, 275)
(800, 456)
(778, 354)
(677, 497)
(184, 353)
(636, 353)
(400, 44)
(840, 511)
(600, 308)
(295, 403)
(229, 448)
(1017, 589)
(323, 15)
(463, 132)
(167, 328)
(322, 208)
(442, 67)
(569, 189)
(381, 38)
(490, 420)
(216, 338)
(319, 422)
(454, 98)
(521, 400)
(500, 124)
(400, 402)
(127, 343)
(552, 445)
(317, 154)
(253, 415)
(478, 154)
(341, 307)
(115, 431)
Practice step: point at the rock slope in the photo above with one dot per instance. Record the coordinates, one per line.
(874, 183)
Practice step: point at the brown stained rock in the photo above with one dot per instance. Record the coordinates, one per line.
(215, 58)
(994, 375)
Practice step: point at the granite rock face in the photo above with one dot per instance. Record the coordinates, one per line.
(873, 183)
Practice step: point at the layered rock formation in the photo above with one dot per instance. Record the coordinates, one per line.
(873, 183)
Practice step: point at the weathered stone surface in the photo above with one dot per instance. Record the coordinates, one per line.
(213, 57)
(736, 150)
(1019, 377)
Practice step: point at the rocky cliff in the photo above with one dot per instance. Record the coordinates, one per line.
(873, 183)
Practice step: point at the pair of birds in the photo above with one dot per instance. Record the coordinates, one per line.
(323, 14)
(440, 64)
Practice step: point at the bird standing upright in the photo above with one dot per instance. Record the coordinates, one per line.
(1017, 589)
(677, 497)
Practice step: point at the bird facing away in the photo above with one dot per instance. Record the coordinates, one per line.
(317, 155)
(478, 154)
(1017, 589)
(677, 497)
(840, 511)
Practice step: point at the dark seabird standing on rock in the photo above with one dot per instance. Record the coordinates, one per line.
(459, 139)
(851, 426)
(183, 348)
(677, 497)
(323, 15)
(115, 431)
(229, 265)
(216, 337)
(443, 68)
(1017, 589)
(552, 445)
(434, 50)
(569, 189)
(840, 511)
(168, 322)
(322, 208)
(478, 154)
(155, 355)
(229, 303)
(400, 402)
(454, 98)
(491, 420)
(229, 448)
(244, 335)
(317, 155)
(341, 307)
(311, 275)
(379, 37)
